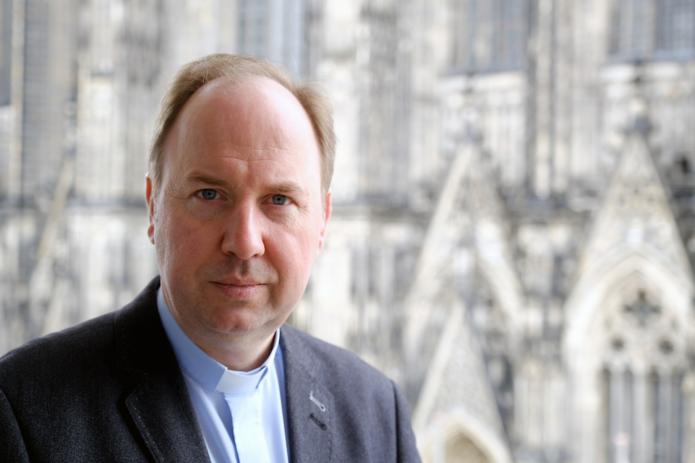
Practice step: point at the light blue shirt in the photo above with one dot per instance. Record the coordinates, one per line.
(241, 414)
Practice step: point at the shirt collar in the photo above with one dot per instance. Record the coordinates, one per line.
(205, 370)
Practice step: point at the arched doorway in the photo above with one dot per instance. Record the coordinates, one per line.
(459, 448)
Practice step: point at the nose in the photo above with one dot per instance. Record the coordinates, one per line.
(243, 236)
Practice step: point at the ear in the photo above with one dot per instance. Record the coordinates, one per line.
(327, 205)
(149, 197)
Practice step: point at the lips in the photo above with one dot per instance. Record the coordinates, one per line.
(239, 289)
(238, 282)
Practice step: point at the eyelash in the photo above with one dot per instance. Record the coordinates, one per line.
(201, 195)
(285, 199)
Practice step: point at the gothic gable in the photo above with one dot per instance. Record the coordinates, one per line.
(632, 297)
(457, 400)
(468, 229)
(636, 215)
(634, 233)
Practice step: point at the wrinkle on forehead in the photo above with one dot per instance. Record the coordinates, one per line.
(245, 148)
(237, 156)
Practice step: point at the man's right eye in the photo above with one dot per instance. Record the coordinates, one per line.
(208, 194)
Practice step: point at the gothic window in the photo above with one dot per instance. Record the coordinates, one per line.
(274, 30)
(142, 41)
(684, 165)
(675, 27)
(489, 35)
(644, 30)
(642, 383)
(641, 309)
(252, 27)
(5, 51)
(619, 387)
(359, 270)
(667, 402)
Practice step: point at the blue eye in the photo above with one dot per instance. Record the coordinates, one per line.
(279, 200)
(208, 194)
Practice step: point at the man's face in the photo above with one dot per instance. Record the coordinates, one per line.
(239, 215)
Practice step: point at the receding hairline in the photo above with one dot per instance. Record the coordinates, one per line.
(235, 69)
(232, 84)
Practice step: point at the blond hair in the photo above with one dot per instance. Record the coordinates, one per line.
(196, 74)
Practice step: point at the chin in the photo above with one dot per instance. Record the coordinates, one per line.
(239, 323)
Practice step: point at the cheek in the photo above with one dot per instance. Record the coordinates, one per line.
(180, 243)
(293, 256)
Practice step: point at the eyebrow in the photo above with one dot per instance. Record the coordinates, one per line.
(283, 187)
(202, 178)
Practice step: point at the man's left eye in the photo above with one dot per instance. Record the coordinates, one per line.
(208, 194)
(279, 200)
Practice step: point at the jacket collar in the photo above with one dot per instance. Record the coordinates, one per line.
(157, 400)
(310, 406)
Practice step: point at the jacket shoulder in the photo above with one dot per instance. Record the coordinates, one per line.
(56, 351)
(372, 410)
(331, 363)
(81, 348)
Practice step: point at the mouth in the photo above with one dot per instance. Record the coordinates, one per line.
(239, 289)
(237, 282)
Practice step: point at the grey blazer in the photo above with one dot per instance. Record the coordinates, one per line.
(110, 389)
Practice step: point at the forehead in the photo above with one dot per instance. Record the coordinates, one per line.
(255, 113)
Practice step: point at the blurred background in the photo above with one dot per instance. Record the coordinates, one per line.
(514, 223)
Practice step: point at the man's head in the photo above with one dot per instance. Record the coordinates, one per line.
(198, 73)
(238, 202)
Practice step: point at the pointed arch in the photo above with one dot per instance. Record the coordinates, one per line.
(598, 282)
(603, 296)
(453, 434)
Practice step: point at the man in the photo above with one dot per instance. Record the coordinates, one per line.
(200, 366)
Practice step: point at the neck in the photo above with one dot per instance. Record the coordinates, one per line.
(239, 354)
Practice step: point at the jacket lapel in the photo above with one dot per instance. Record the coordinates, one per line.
(158, 401)
(310, 408)
(169, 431)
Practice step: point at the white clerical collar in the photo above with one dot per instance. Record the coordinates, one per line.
(207, 371)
